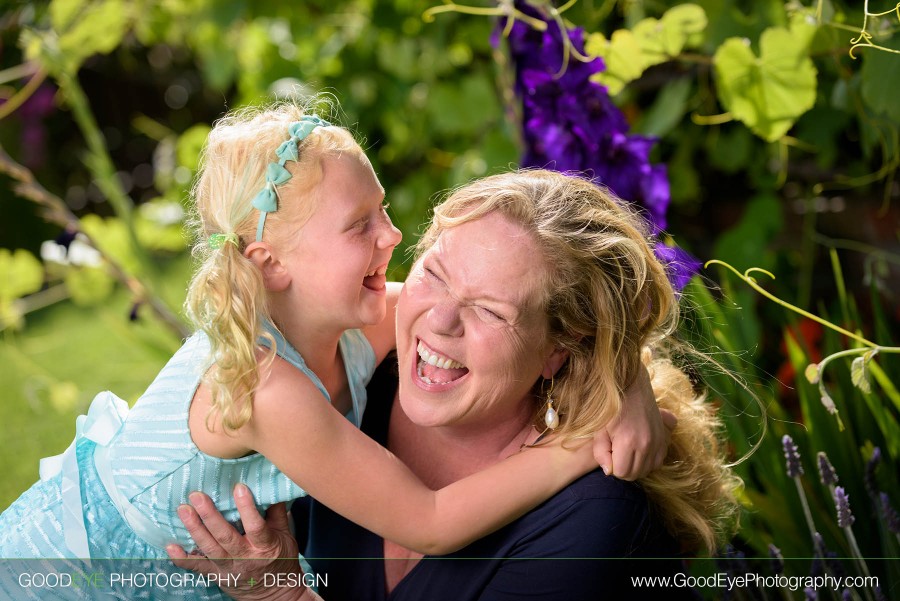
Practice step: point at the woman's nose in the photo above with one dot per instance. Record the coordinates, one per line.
(444, 318)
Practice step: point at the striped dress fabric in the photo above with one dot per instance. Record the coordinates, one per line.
(155, 465)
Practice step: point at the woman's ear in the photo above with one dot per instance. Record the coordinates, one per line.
(555, 361)
(275, 277)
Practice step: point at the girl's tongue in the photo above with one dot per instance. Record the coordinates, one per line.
(375, 282)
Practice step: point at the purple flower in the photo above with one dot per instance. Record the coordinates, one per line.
(570, 124)
(777, 559)
(826, 471)
(794, 469)
(842, 502)
(680, 264)
(810, 594)
(869, 474)
(889, 513)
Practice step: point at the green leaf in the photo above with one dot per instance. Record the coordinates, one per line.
(628, 53)
(189, 145)
(667, 110)
(99, 29)
(22, 273)
(770, 92)
(623, 58)
(62, 12)
(112, 240)
(812, 373)
(859, 375)
(880, 76)
(88, 285)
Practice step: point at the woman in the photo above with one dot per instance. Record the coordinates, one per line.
(513, 264)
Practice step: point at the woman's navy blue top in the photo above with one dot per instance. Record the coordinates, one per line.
(587, 542)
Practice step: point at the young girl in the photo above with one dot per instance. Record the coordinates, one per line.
(296, 243)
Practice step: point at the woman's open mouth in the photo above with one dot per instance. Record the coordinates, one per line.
(434, 368)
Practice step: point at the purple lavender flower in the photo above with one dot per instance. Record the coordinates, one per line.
(890, 514)
(777, 559)
(842, 502)
(846, 595)
(571, 125)
(826, 471)
(869, 474)
(794, 469)
(810, 594)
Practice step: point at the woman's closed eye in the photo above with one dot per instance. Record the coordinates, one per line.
(487, 315)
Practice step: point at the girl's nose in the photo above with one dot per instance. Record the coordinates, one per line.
(389, 236)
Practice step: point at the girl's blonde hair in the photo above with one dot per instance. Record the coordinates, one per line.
(226, 298)
(609, 303)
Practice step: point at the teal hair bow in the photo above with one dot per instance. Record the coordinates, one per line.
(266, 200)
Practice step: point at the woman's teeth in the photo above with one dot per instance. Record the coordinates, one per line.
(380, 271)
(437, 360)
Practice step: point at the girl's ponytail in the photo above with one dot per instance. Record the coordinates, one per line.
(225, 300)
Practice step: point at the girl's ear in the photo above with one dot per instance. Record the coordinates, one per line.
(275, 277)
(554, 361)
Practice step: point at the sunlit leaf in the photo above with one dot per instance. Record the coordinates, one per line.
(622, 55)
(98, 29)
(112, 239)
(859, 374)
(768, 93)
(22, 273)
(190, 144)
(88, 285)
(812, 373)
(628, 53)
(62, 12)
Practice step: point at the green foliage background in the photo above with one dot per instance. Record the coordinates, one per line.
(782, 152)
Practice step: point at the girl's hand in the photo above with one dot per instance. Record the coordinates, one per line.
(268, 547)
(637, 441)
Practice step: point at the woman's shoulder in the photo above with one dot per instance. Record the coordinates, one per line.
(598, 516)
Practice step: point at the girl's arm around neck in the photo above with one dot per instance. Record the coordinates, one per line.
(296, 429)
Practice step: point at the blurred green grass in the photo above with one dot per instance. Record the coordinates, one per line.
(52, 369)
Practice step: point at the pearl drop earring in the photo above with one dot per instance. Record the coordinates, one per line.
(551, 417)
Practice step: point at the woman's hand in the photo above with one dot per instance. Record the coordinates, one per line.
(637, 441)
(267, 548)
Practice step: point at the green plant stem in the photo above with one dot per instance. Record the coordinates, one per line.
(54, 210)
(804, 503)
(753, 284)
(858, 558)
(24, 94)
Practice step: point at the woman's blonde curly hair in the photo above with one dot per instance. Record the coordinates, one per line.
(226, 298)
(611, 305)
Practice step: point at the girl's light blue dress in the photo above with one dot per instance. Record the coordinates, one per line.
(112, 496)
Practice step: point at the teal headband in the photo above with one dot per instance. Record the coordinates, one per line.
(266, 200)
